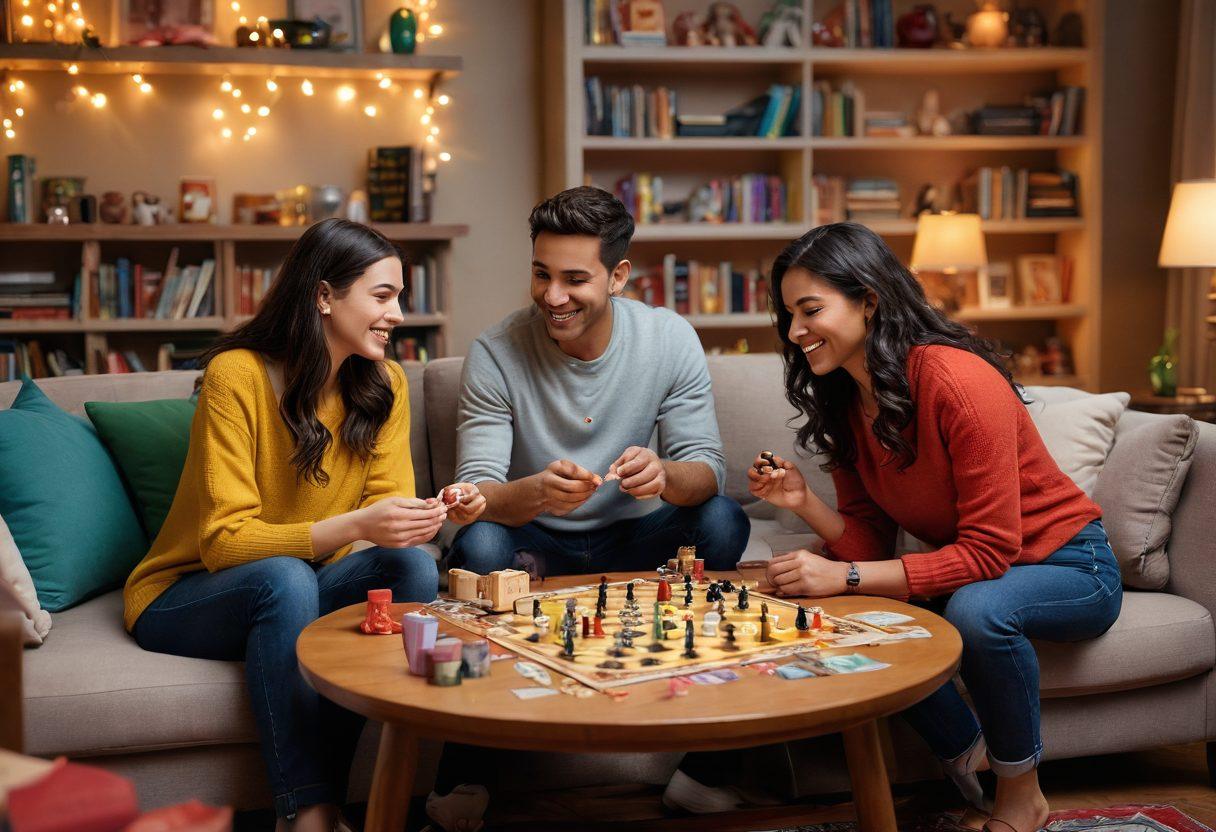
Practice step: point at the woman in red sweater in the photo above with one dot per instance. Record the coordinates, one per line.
(923, 428)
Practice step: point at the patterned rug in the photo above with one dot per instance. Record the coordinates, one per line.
(1129, 818)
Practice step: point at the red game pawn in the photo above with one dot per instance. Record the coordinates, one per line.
(379, 620)
(664, 592)
(598, 623)
(816, 619)
(586, 626)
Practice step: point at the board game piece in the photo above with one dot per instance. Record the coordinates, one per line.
(800, 622)
(534, 672)
(726, 585)
(743, 601)
(610, 664)
(686, 556)
(568, 646)
(629, 596)
(446, 674)
(586, 627)
(378, 620)
(766, 464)
(498, 590)
(689, 652)
(451, 495)
(766, 629)
(541, 622)
(651, 661)
(711, 594)
(709, 624)
(698, 570)
(816, 618)
(688, 597)
(598, 626)
(418, 631)
(722, 608)
(463, 584)
(536, 608)
(729, 643)
(657, 635)
(475, 659)
(627, 638)
(664, 593)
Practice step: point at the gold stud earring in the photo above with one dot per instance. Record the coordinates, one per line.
(325, 311)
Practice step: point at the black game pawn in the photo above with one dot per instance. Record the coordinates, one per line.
(713, 593)
(766, 461)
(688, 597)
(729, 643)
(536, 608)
(722, 608)
(743, 601)
(689, 639)
(800, 621)
(568, 650)
(629, 593)
(727, 586)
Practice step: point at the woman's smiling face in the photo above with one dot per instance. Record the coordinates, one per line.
(827, 325)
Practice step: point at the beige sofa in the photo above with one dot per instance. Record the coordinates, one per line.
(181, 727)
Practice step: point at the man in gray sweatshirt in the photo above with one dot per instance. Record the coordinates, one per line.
(576, 413)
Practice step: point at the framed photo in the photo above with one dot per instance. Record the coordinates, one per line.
(1039, 278)
(996, 286)
(139, 16)
(198, 201)
(344, 16)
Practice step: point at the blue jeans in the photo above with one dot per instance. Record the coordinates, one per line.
(255, 612)
(1073, 595)
(718, 528)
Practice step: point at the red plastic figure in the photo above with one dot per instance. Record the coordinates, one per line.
(664, 592)
(379, 621)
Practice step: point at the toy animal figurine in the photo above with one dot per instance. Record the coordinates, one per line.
(688, 29)
(726, 27)
(782, 24)
(113, 208)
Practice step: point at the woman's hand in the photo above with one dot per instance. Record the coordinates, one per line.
(779, 483)
(468, 505)
(398, 522)
(805, 573)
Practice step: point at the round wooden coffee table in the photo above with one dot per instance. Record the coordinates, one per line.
(369, 675)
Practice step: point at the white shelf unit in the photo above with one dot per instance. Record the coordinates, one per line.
(713, 79)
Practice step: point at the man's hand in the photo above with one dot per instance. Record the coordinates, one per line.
(805, 573)
(565, 486)
(640, 471)
(468, 505)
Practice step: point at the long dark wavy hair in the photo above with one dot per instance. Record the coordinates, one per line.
(856, 261)
(287, 330)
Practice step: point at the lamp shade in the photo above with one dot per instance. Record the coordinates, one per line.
(949, 242)
(1190, 230)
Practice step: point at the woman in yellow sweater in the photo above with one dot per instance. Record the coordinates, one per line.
(299, 447)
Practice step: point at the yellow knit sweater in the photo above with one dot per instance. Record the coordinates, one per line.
(238, 499)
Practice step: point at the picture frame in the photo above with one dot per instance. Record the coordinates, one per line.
(197, 201)
(137, 17)
(1039, 279)
(996, 285)
(345, 18)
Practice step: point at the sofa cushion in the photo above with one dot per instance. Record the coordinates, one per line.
(1078, 432)
(90, 689)
(17, 586)
(442, 383)
(149, 440)
(1157, 638)
(71, 392)
(64, 502)
(1138, 490)
(420, 452)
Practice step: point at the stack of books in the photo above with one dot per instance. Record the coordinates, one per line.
(1005, 121)
(867, 23)
(398, 187)
(21, 188)
(19, 358)
(872, 199)
(421, 296)
(252, 284)
(1006, 193)
(839, 112)
(630, 111)
(31, 296)
(125, 290)
(1060, 111)
(887, 123)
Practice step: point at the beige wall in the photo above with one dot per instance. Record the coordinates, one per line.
(1141, 44)
(149, 142)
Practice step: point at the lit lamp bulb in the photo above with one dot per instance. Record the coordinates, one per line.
(99, 100)
(217, 114)
(271, 85)
(73, 69)
(20, 111)
(226, 132)
(436, 30)
(346, 93)
(444, 100)
(426, 119)
(385, 83)
(236, 93)
(263, 111)
(145, 88)
(226, 86)
(370, 110)
(26, 20)
(18, 85)
(445, 156)
(417, 92)
(137, 78)
(306, 87)
(10, 133)
(254, 37)
(8, 122)
(246, 109)
(430, 139)
(434, 131)
(80, 91)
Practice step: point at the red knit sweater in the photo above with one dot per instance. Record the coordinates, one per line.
(983, 487)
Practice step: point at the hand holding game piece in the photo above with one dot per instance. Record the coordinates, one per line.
(464, 502)
(777, 481)
(640, 471)
(399, 522)
(565, 486)
(805, 573)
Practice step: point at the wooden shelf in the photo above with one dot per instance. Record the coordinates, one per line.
(1052, 381)
(1032, 225)
(945, 61)
(663, 232)
(194, 60)
(1046, 312)
(212, 324)
(205, 232)
(733, 320)
(673, 57)
(947, 142)
(713, 144)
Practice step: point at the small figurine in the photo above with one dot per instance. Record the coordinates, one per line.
(113, 208)
(709, 624)
(664, 593)
(743, 602)
(726, 27)
(782, 24)
(378, 618)
(688, 597)
(568, 647)
(629, 592)
(689, 652)
(729, 643)
(800, 621)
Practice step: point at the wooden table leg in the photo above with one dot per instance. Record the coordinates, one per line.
(393, 780)
(868, 772)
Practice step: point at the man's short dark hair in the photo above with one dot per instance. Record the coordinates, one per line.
(587, 211)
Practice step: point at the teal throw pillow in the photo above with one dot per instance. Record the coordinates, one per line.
(64, 502)
(149, 440)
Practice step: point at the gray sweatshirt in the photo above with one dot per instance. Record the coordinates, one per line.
(525, 403)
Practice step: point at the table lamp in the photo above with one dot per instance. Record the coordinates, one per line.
(948, 244)
(1189, 242)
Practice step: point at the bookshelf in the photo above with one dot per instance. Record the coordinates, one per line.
(710, 80)
(68, 250)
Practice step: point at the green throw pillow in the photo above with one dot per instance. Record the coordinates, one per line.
(149, 440)
(64, 502)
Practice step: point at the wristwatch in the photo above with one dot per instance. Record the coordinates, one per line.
(852, 580)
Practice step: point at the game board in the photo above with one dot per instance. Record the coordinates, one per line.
(602, 663)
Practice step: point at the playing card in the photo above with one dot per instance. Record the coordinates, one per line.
(851, 663)
(534, 672)
(794, 671)
(533, 693)
(714, 677)
(880, 618)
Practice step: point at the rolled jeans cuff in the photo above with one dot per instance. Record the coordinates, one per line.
(961, 770)
(1003, 769)
(288, 804)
